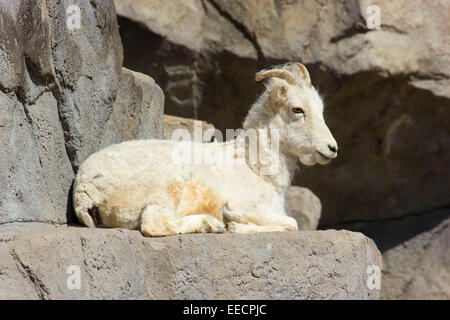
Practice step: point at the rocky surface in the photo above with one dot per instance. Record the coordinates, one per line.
(386, 90)
(416, 255)
(122, 264)
(304, 206)
(64, 95)
(137, 111)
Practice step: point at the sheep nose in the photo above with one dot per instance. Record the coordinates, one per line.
(332, 148)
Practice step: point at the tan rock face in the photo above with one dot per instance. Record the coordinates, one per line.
(122, 264)
(193, 23)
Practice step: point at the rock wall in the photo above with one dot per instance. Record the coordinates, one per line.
(122, 264)
(64, 95)
(386, 92)
(416, 255)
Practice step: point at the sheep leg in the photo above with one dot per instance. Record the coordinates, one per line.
(247, 228)
(159, 218)
(200, 223)
(275, 222)
(157, 221)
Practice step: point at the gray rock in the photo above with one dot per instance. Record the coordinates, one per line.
(416, 255)
(137, 112)
(199, 25)
(35, 172)
(122, 264)
(63, 95)
(303, 205)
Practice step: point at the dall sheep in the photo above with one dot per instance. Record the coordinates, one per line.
(137, 185)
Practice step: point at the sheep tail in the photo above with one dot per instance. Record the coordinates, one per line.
(84, 207)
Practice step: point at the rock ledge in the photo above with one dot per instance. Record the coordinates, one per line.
(122, 264)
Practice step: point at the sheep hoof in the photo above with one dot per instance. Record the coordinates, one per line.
(220, 230)
(212, 225)
(231, 227)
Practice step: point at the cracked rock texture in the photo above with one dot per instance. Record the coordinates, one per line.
(386, 90)
(63, 96)
(122, 264)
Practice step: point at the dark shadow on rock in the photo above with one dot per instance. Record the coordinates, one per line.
(76, 224)
(70, 213)
(391, 233)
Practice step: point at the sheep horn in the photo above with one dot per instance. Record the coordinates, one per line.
(278, 73)
(303, 72)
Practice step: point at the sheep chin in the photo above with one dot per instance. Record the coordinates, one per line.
(307, 159)
(322, 159)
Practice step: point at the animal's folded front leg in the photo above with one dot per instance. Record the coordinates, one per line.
(200, 223)
(235, 227)
(249, 222)
(161, 220)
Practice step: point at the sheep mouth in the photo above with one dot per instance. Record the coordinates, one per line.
(324, 157)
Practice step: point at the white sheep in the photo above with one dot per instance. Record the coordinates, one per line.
(137, 184)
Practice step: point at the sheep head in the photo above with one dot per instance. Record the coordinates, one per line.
(295, 108)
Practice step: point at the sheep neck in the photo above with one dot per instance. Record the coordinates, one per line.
(278, 173)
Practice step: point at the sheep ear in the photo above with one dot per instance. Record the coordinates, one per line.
(282, 89)
(304, 74)
(279, 91)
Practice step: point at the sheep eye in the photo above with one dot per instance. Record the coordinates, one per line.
(298, 110)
